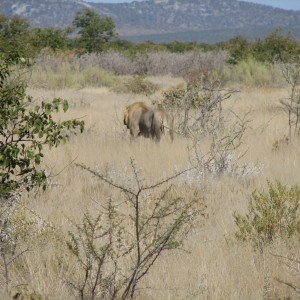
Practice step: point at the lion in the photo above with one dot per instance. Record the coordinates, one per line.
(141, 120)
(137, 118)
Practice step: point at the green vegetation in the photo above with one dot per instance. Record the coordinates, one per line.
(15, 37)
(25, 129)
(51, 38)
(95, 32)
(275, 47)
(271, 214)
(250, 72)
(113, 248)
(247, 63)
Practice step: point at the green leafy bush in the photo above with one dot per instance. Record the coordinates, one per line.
(25, 128)
(272, 214)
(276, 46)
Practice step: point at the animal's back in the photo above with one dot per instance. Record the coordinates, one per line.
(133, 115)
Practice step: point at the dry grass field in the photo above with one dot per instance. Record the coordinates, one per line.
(211, 264)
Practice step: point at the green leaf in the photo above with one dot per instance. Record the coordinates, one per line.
(37, 159)
(48, 108)
(65, 105)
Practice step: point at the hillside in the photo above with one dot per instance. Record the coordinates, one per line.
(153, 18)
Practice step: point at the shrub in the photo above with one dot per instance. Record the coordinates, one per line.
(276, 46)
(118, 247)
(150, 63)
(175, 97)
(25, 129)
(136, 85)
(271, 214)
(251, 72)
(291, 105)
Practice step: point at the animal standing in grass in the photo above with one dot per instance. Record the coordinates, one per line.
(142, 120)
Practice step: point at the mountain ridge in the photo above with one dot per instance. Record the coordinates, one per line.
(157, 17)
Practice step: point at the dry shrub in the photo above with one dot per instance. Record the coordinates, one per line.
(152, 63)
(116, 249)
(136, 85)
(175, 97)
(116, 62)
(21, 230)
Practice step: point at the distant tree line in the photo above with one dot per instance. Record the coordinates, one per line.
(92, 33)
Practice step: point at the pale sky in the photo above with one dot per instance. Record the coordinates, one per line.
(286, 4)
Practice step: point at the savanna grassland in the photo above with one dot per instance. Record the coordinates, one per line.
(211, 263)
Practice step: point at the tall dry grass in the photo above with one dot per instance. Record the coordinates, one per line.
(212, 265)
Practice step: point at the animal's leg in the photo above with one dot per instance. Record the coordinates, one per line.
(134, 131)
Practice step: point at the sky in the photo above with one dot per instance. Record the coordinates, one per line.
(285, 4)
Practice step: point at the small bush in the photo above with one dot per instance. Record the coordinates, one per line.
(136, 85)
(272, 214)
(175, 97)
(116, 249)
(253, 73)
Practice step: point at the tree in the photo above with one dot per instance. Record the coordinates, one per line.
(239, 49)
(53, 38)
(95, 32)
(25, 129)
(15, 37)
(276, 46)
